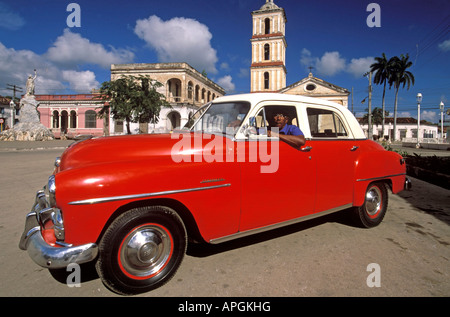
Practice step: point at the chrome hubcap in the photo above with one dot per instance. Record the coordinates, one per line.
(145, 251)
(373, 201)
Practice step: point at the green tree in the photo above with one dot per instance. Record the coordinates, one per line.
(400, 76)
(132, 99)
(382, 69)
(377, 117)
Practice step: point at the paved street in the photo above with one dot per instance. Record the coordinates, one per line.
(323, 257)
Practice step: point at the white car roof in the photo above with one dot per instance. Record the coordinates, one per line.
(255, 98)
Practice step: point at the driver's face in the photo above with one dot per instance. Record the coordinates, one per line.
(280, 121)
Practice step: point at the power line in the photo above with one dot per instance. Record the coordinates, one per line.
(14, 88)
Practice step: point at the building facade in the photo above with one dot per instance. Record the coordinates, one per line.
(71, 115)
(7, 113)
(268, 68)
(406, 130)
(184, 88)
(315, 87)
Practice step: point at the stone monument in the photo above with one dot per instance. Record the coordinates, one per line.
(30, 127)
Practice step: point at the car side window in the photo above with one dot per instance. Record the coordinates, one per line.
(266, 116)
(325, 124)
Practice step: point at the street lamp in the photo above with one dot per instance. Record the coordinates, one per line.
(419, 100)
(441, 106)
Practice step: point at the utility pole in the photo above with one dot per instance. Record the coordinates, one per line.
(14, 88)
(352, 102)
(369, 119)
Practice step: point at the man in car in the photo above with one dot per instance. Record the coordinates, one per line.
(288, 133)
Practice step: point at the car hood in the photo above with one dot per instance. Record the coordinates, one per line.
(119, 148)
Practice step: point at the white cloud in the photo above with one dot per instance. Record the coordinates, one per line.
(332, 63)
(71, 49)
(179, 40)
(403, 114)
(16, 65)
(225, 66)
(226, 82)
(359, 66)
(244, 72)
(9, 19)
(307, 59)
(57, 67)
(80, 81)
(430, 116)
(445, 46)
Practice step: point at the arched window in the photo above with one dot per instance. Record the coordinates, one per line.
(197, 92)
(266, 52)
(90, 119)
(64, 121)
(73, 119)
(190, 90)
(203, 95)
(267, 26)
(55, 121)
(266, 80)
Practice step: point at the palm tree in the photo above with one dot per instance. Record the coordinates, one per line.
(400, 76)
(382, 69)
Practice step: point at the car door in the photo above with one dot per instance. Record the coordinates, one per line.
(335, 152)
(278, 182)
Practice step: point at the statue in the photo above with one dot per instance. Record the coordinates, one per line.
(30, 84)
(29, 127)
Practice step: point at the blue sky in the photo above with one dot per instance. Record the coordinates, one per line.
(331, 36)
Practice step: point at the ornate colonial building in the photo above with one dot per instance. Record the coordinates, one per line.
(268, 68)
(183, 86)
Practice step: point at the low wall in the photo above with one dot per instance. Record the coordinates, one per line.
(426, 145)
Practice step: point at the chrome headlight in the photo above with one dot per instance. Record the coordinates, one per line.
(51, 186)
(58, 225)
(57, 161)
(56, 215)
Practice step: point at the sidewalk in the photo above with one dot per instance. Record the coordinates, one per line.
(6, 146)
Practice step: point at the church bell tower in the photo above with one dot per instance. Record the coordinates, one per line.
(268, 68)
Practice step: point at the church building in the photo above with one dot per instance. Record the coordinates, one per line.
(268, 69)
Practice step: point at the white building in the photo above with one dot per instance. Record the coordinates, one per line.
(406, 130)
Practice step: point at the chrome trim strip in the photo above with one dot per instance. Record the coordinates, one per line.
(138, 196)
(277, 225)
(381, 177)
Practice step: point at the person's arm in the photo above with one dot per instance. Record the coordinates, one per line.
(295, 141)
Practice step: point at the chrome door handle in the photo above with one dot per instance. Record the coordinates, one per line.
(354, 148)
(306, 149)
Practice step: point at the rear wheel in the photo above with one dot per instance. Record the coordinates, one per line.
(372, 212)
(141, 250)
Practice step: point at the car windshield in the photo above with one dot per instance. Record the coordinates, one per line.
(222, 118)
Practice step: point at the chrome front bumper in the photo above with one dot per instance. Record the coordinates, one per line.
(41, 252)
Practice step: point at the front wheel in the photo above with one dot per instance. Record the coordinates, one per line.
(372, 212)
(141, 250)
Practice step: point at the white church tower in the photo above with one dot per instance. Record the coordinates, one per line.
(268, 68)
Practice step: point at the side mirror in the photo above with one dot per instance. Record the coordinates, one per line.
(250, 129)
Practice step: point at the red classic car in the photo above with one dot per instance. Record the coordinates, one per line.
(132, 203)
